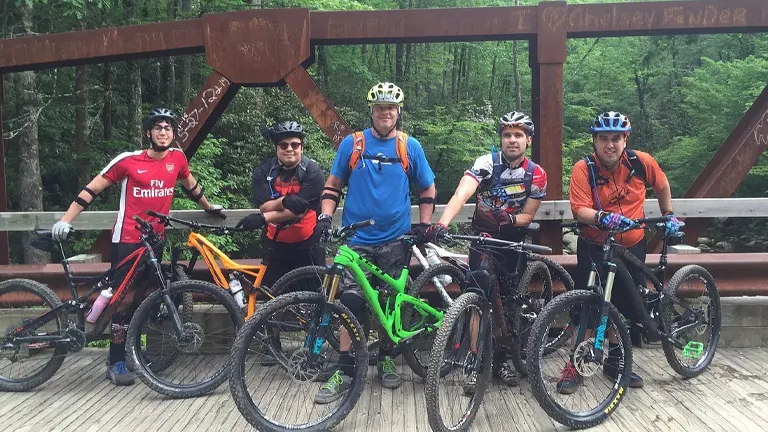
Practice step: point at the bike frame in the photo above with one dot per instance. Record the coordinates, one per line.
(80, 303)
(390, 318)
(200, 246)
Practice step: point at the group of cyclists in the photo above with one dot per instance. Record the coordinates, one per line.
(378, 166)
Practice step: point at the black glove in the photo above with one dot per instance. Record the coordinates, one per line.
(295, 204)
(252, 222)
(435, 232)
(419, 231)
(324, 227)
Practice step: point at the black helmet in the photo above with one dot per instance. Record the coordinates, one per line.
(287, 129)
(157, 114)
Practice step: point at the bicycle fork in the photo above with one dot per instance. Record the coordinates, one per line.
(318, 330)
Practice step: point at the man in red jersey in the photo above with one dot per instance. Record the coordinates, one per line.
(147, 179)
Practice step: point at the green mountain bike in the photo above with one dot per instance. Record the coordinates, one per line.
(302, 331)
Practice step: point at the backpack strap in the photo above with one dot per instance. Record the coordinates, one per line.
(358, 149)
(592, 172)
(301, 170)
(636, 166)
(498, 168)
(528, 177)
(402, 151)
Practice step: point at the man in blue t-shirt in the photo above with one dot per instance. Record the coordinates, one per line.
(377, 166)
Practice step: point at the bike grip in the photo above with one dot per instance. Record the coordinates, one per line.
(152, 213)
(651, 220)
(362, 224)
(141, 221)
(537, 248)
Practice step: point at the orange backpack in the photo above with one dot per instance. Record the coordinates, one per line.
(358, 150)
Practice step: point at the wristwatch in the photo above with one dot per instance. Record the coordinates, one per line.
(324, 216)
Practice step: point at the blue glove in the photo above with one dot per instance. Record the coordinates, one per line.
(671, 226)
(616, 221)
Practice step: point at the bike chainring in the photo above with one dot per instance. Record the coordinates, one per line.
(77, 339)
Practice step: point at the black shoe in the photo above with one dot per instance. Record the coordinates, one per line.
(506, 374)
(611, 370)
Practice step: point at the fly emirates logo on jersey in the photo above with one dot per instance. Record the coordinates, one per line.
(156, 190)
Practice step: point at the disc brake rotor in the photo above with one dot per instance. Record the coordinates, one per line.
(583, 359)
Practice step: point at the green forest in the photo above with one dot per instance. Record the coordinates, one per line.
(683, 94)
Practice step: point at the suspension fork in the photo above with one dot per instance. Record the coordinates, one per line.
(603, 318)
(318, 326)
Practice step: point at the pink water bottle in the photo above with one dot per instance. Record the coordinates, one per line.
(99, 305)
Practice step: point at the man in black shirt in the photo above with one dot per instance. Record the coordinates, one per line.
(286, 189)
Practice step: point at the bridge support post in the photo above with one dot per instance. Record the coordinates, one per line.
(4, 252)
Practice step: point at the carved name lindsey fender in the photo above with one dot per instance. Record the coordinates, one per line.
(761, 131)
(581, 19)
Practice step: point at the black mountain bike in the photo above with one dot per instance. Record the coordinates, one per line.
(39, 330)
(497, 302)
(685, 316)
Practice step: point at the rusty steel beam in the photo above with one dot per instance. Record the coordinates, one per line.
(728, 166)
(102, 45)
(423, 25)
(657, 18)
(4, 247)
(548, 52)
(203, 111)
(322, 110)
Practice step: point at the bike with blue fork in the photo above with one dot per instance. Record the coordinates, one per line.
(685, 316)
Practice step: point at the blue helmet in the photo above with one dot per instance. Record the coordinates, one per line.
(611, 121)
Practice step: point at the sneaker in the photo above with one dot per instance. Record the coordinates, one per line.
(388, 374)
(570, 380)
(119, 374)
(336, 387)
(611, 370)
(506, 374)
(470, 383)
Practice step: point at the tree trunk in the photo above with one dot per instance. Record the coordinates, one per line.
(493, 73)
(134, 84)
(407, 72)
(81, 125)
(186, 61)
(454, 70)
(29, 159)
(108, 108)
(516, 69)
(399, 63)
(322, 66)
(363, 50)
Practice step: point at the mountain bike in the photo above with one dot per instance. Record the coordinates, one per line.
(685, 316)
(40, 329)
(497, 298)
(309, 348)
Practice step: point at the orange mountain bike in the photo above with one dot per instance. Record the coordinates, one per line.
(241, 280)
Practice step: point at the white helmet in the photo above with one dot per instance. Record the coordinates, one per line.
(516, 119)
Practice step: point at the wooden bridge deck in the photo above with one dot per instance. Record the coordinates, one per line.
(731, 395)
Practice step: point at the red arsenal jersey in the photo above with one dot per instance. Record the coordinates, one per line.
(145, 184)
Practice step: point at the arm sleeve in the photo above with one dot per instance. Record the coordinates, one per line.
(312, 186)
(259, 187)
(116, 170)
(422, 174)
(580, 193)
(184, 169)
(482, 168)
(539, 184)
(340, 166)
(653, 172)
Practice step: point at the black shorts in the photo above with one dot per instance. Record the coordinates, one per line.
(587, 252)
(281, 258)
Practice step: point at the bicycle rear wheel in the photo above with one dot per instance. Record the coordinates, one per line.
(282, 397)
(462, 353)
(28, 365)
(534, 291)
(200, 356)
(587, 391)
(416, 351)
(691, 314)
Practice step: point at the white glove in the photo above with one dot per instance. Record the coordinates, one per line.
(60, 230)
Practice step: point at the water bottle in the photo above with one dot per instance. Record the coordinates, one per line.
(99, 305)
(236, 288)
(434, 260)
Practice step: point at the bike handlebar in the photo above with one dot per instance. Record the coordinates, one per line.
(166, 219)
(637, 223)
(350, 229)
(503, 243)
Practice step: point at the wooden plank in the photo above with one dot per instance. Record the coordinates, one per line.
(549, 211)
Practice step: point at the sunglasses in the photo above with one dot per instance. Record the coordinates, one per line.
(293, 145)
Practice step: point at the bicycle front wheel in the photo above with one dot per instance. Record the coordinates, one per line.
(570, 383)
(534, 291)
(199, 351)
(460, 364)
(286, 395)
(691, 315)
